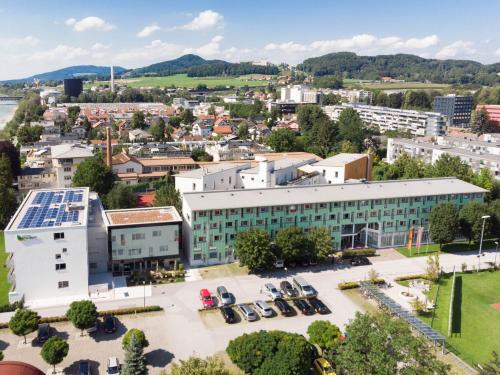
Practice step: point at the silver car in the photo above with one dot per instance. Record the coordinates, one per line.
(271, 291)
(247, 312)
(263, 308)
(224, 296)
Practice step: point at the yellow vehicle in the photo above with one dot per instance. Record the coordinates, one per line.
(323, 367)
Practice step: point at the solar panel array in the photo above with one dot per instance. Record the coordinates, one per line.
(394, 308)
(51, 209)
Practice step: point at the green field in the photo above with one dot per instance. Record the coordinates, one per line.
(402, 86)
(455, 247)
(4, 285)
(182, 80)
(475, 324)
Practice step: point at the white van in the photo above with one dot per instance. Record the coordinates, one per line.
(304, 288)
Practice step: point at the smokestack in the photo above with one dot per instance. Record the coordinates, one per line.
(109, 151)
(112, 79)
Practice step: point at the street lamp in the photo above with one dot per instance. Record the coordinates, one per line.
(144, 291)
(481, 243)
(496, 252)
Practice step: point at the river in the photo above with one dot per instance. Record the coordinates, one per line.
(7, 110)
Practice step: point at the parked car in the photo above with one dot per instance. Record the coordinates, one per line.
(247, 312)
(206, 298)
(112, 366)
(109, 323)
(283, 306)
(323, 367)
(263, 308)
(279, 263)
(224, 296)
(303, 306)
(304, 288)
(360, 261)
(271, 291)
(288, 289)
(83, 368)
(228, 314)
(319, 306)
(43, 333)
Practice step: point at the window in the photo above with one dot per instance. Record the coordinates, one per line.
(217, 212)
(163, 249)
(122, 239)
(138, 236)
(67, 178)
(259, 222)
(336, 174)
(308, 206)
(274, 221)
(248, 210)
(64, 250)
(132, 252)
(59, 236)
(413, 210)
(202, 213)
(399, 212)
(60, 266)
(217, 238)
(389, 224)
(229, 224)
(92, 265)
(373, 214)
(263, 209)
(201, 239)
(67, 169)
(289, 219)
(232, 211)
(350, 204)
(322, 205)
(303, 219)
(197, 226)
(402, 223)
(318, 218)
(360, 214)
(336, 204)
(58, 256)
(213, 225)
(332, 217)
(130, 170)
(213, 254)
(156, 233)
(387, 213)
(346, 216)
(197, 256)
(244, 223)
(113, 238)
(63, 284)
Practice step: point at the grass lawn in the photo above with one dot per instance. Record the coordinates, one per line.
(4, 285)
(182, 80)
(403, 86)
(223, 270)
(475, 325)
(454, 247)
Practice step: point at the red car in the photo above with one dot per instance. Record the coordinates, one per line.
(206, 298)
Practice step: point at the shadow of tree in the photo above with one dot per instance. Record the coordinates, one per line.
(159, 358)
(456, 323)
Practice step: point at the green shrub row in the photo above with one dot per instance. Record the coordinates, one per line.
(348, 285)
(10, 307)
(411, 277)
(347, 254)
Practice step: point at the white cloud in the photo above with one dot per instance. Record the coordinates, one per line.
(27, 41)
(458, 48)
(288, 47)
(148, 30)
(100, 47)
(204, 20)
(210, 49)
(497, 52)
(61, 52)
(89, 23)
(153, 52)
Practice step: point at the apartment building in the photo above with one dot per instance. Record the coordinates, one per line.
(142, 238)
(351, 96)
(456, 108)
(375, 214)
(65, 160)
(341, 168)
(35, 178)
(384, 118)
(299, 94)
(475, 153)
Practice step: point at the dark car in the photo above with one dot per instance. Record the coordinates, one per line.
(319, 306)
(288, 289)
(109, 324)
(303, 306)
(43, 333)
(360, 261)
(228, 314)
(283, 306)
(83, 368)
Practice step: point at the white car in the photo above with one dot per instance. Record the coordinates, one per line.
(113, 366)
(271, 291)
(263, 308)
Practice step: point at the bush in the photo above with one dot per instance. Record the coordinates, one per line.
(411, 277)
(348, 285)
(348, 254)
(11, 307)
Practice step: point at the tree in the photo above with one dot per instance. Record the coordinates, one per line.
(282, 140)
(54, 350)
(242, 132)
(321, 242)
(139, 336)
(8, 206)
(92, 172)
(1, 356)
(253, 249)
(271, 353)
(471, 221)
(135, 362)
(157, 130)
(481, 123)
(484, 179)
(330, 99)
(373, 275)
(23, 322)
(293, 244)
(138, 120)
(198, 366)
(5, 171)
(29, 134)
(187, 117)
(198, 154)
(352, 128)
(433, 269)
(120, 196)
(495, 217)
(324, 334)
(380, 344)
(451, 166)
(8, 149)
(322, 137)
(308, 115)
(175, 121)
(328, 82)
(169, 133)
(444, 223)
(492, 367)
(418, 305)
(168, 195)
(83, 314)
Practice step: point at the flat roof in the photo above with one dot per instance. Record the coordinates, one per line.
(279, 196)
(52, 208)
(282, 164)
(339, 160)
(145, 215)
(210, 169)
(70, 151)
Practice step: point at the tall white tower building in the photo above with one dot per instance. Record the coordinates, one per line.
(112, 79)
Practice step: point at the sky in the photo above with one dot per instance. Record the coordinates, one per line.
(40, 36)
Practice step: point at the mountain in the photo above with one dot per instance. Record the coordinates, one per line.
(196, 66)
(71, 72)
(402, 66)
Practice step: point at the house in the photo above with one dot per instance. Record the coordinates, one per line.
(139, 135)
(224, 129)
(65, 160)
(202, 129)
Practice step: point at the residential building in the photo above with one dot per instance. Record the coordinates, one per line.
(385, 118)
(143, 238)
(299, 94)
(456, 108)
(341, 168)
(139, 135)
(35, 178)
(65, 160)
(351, 96)
(493, 111)
(476, 153)
(376, 214)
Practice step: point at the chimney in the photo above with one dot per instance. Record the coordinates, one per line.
(112, 79)
(109, 151)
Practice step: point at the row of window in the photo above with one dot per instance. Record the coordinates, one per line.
(140, 236)
(134, 252)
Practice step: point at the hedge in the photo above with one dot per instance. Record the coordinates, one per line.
(346, 254)
(10, 307)
(124, 311)
(348, 285)
(411, 277)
